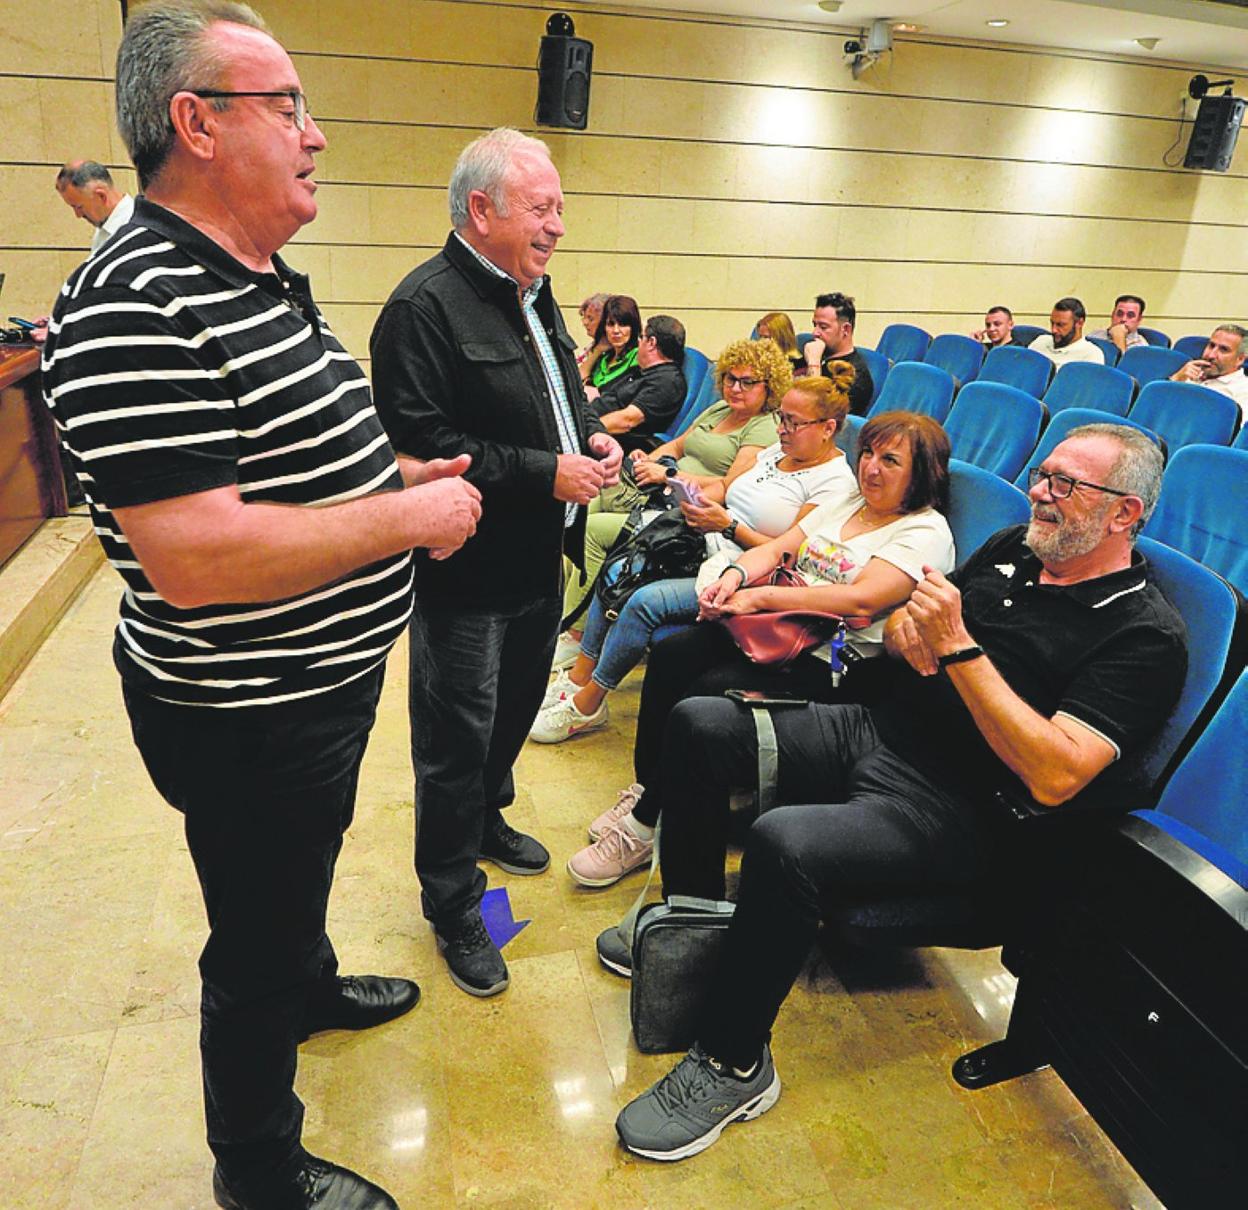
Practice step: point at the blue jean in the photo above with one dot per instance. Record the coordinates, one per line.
(478, 676)
(267, 793)
(618, 647)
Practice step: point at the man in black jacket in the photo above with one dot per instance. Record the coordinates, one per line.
(470, 354)
(639, 408)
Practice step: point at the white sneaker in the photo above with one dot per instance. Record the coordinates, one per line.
(562, 686)
(566, 651)
(562, 720)
(612, 816)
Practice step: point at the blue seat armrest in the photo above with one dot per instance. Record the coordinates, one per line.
(1218, 872)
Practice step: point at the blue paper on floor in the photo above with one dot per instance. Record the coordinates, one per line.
(501, 925)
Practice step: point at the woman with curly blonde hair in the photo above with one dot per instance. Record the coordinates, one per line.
(751, 377)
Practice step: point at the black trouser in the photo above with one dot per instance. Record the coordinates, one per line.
(267, 793)
(478, 676)
(703, 661)
(880, 827)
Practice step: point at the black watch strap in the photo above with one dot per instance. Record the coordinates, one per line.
(730, 530)
(960, 657)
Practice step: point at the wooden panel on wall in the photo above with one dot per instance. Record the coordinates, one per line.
(731, 166)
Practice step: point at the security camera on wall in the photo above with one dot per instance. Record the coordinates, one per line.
(866, 50)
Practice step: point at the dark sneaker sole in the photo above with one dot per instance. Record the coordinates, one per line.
(616, 968)
(479, 992)
(755, 1107)
(508, 867)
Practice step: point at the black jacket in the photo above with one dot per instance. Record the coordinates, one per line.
(455, 371)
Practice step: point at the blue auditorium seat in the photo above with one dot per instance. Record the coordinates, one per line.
(879, 365)
(1085, 385)
(957, 355)
(1185, 414)
(912, 386)
(1203, 509)
(1108, 348)
(1028, 332)
(1072, 418)
(903, 342)
(1022, 368)
(1156, 338)
(803, 339)
(699, 392)
(1241, 441)
(847, 437)
(1150, 363)
(994, 427)
(980, 503)
(1191, 346)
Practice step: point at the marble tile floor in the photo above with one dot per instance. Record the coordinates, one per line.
(507, 1102)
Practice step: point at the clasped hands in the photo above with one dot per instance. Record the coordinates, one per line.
(724, 598)
(930, 624)
(580, 477)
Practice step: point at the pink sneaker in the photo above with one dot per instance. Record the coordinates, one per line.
(623, 805)
(607, 860)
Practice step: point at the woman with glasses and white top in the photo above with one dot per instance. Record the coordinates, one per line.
(805, 468)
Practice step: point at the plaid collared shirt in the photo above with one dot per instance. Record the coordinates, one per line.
(561, 404)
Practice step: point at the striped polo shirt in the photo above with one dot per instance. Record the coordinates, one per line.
(170, 368)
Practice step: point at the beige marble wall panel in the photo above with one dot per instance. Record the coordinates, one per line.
(64, 38)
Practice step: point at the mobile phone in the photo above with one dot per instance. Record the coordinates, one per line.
(756, 697)
(684, 491)
(24, 324)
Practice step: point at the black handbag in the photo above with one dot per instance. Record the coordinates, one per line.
(676, 948)
(665, 549)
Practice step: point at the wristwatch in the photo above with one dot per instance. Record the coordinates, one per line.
(960, 657)
(730, 530)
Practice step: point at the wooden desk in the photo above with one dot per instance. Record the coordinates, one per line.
(31, 486)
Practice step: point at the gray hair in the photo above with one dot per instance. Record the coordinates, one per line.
(1234, 330)
(82, 173)
(483, 166)
(593, 300)
(1137, 470)
(164, 51)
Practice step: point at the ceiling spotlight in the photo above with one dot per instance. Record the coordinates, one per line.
(997, 22)
(907, 27)
(1147, 43)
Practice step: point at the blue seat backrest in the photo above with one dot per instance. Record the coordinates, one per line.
(1203, 509)
(847, 437)
(903, 342)
(1191, 346)
(879, 365)
(1203, 802)
(1023, 368)
(1184, 413)
(1241, 441)
(803, 339)
(1028, 332)
(1209, 608)
(1148, 363)
(1155, 337)
(994, 427)
(958, 355)
(698, 374)
(980, 503)
(1108, 348)
(1084, 385)
(1072, 418)
(912, 386)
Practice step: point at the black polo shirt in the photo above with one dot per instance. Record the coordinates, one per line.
(863, 387)
(1110, 653)
(657, 391)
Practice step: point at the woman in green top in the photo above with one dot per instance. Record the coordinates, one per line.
(613, 356)
(751, 378)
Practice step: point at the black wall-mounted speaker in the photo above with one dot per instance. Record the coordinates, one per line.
(1214, 133)
(564, 66)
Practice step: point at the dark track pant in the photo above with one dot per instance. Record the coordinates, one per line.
(267, 794)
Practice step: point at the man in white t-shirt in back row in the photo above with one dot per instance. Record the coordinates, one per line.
(1221, 366)
(1066, 342)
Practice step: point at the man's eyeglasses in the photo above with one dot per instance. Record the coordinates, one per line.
(731, 381)
(789, 424)
(1061, 486)
(299, 117)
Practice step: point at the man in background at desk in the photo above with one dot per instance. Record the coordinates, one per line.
(87, 189)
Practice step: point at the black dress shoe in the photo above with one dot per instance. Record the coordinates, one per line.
(318, 1185)
(511, 850)
(360, 1002)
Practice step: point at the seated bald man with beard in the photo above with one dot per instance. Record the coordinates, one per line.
(1041, 667)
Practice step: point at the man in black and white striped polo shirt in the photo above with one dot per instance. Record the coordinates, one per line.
(242, 485)
(470, 354)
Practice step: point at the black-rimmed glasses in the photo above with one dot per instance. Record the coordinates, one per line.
(1061, 486)
(746, 384)
(789, 424)
(299, 117)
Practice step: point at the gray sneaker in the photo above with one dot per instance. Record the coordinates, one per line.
(686, 1111)
(614, 952)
